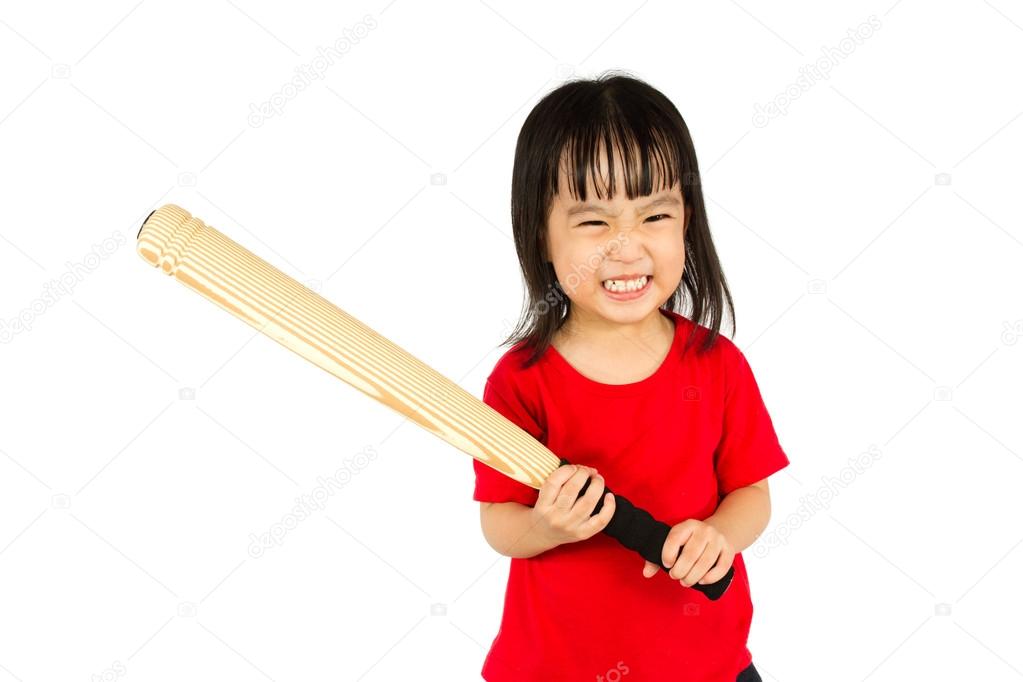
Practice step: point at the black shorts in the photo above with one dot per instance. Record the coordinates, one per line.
(750, 674)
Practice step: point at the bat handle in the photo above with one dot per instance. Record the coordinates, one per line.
(637, 530)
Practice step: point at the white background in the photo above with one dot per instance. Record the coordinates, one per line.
(871, 235)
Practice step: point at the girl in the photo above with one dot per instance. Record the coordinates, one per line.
(612, 238)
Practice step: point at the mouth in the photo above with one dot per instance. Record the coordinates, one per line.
(627, 289)
(626, 284)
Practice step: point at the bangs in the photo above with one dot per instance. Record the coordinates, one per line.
(648, 157)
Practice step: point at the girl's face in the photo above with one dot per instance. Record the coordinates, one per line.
(591, 242)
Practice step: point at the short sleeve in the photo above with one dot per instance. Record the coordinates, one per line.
(502, 393)
(749, 449)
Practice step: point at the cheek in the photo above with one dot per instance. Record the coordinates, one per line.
(677, 268)
(575, 277)
(675, 252)
(670, 265)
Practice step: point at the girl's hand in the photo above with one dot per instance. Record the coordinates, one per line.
(706, 556)
(563, 516)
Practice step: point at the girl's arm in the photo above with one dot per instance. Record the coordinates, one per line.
(743, 514)
(512, 530)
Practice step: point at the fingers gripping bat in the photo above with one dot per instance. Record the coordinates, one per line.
(205, 260)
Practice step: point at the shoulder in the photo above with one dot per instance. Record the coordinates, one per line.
(723, 360)
(509, 371)
(511, 363)
(723, 350)
(514, 391)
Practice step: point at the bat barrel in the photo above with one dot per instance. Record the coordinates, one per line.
(224, 272)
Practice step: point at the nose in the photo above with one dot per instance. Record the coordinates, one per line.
(626, 246)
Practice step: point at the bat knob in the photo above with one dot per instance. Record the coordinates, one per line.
(144, 223)
(165, 235)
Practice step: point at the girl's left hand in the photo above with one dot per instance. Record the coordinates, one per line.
(706, 554)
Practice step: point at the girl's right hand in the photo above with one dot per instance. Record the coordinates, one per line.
(562, 515)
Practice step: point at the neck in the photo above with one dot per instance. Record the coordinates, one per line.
(604, 333)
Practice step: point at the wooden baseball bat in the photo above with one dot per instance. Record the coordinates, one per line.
(251, 289)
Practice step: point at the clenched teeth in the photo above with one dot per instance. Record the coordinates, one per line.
(621, 286)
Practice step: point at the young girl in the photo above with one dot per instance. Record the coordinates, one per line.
(612, 237)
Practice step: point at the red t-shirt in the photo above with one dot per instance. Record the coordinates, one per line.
(674, 444)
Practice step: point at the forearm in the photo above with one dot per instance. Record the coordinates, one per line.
(742, 516)
(511, 529)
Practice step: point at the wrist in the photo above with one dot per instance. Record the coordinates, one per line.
(718, 524)
(543, 532)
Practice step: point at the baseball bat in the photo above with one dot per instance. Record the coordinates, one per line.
(208, 262)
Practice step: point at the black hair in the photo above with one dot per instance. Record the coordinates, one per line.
(581, 118)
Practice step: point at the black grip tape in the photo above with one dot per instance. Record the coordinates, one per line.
(637, 530)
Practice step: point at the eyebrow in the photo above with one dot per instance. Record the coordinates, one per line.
(596, 208)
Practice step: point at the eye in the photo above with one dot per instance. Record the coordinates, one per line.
(655, 218)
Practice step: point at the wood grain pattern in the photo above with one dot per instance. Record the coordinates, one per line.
(208, 262)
